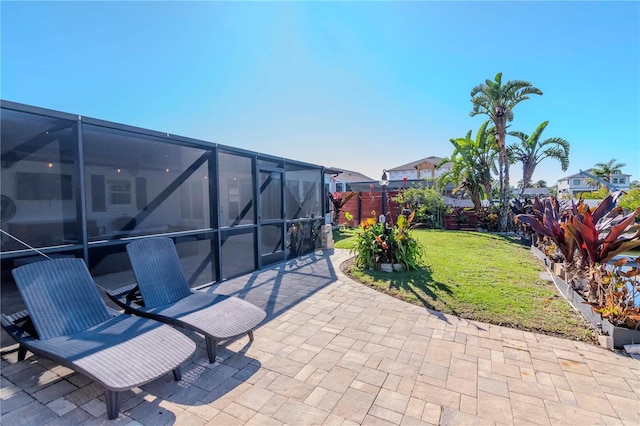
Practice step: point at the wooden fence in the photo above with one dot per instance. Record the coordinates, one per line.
(369, 204)
(363, 204)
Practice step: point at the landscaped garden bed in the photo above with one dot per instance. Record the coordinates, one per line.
(585, 244)
(611, 336)
(477, 276)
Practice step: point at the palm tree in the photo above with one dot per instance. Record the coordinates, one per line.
(605, 170)
(540, 184)
(530, 151)
(497, 100)
(473, 160)
(463, 176)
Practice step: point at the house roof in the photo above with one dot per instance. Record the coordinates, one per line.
(410, 166)
(590, 171)
(350, 175)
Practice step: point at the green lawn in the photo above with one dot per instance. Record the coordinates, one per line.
(481, 277)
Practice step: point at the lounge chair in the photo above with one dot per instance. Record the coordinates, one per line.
(67, 321)
(165, 295)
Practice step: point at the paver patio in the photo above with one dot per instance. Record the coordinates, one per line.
(333, 351)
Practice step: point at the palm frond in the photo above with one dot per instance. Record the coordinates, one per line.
(557, 153)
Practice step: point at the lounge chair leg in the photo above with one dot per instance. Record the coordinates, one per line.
(250, 333)
(113, 408)
(22, 353)
(177, 374)
(211, 349)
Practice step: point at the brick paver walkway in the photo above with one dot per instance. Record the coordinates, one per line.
(335, 352)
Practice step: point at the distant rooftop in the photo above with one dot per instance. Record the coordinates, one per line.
(351, 176)
(431, 159)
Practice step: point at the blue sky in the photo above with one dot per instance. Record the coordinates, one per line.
(358, 85)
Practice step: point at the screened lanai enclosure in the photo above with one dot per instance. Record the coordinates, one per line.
(81, 187)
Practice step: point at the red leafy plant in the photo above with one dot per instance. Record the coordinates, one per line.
(548, 221)
(587, 240)
(600, 236)
(339, 199)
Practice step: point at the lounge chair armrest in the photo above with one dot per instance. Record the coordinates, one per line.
(19, 326)
(15, 318)
(122, 291)
(126, 297)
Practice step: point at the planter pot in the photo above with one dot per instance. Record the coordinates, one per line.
(558, 269)
(386, 267)
(397, 267)
(621, 336)
(616, 337)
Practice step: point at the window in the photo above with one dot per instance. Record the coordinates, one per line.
(119, 192)
(576, 182)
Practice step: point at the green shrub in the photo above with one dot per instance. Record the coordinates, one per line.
(631, 200)
(427, 204)
(600, 194)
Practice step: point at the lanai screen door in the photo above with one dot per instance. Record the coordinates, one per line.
(271, 216)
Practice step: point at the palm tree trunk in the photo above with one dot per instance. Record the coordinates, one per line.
(527, 174)
(488, 191)
(503, 159)
(476, 200)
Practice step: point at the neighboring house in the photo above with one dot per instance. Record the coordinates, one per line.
(579, 183)
(424, 168)
(338, 180)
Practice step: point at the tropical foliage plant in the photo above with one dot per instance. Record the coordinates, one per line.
(530, 151)
(620, 287)
(600, 235)
(587, 240)
(378, 243)
(472, 160)
(547, 221)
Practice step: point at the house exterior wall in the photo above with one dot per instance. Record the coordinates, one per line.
(401, 174)
(577, 184)
(424, 170)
